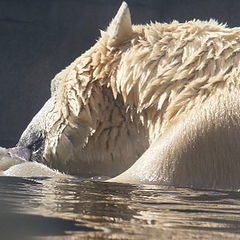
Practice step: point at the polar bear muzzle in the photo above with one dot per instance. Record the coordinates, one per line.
(34, 135)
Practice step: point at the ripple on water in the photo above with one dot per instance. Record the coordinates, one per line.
(60, 208)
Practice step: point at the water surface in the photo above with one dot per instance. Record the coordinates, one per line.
(79, 209)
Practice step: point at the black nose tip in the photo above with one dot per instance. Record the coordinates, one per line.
(20, 152)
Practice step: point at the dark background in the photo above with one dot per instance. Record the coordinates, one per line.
(40, 37)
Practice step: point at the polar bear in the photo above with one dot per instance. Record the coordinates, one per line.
(155, 104)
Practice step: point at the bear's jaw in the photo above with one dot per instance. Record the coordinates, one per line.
(96, 145)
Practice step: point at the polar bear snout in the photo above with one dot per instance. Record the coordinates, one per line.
(35, 135)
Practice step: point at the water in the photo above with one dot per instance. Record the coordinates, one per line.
(78, 209)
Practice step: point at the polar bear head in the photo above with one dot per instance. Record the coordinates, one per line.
(83, 127)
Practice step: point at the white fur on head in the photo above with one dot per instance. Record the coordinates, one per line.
(120, 28)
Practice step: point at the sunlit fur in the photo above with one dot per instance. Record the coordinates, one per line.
(162, 72)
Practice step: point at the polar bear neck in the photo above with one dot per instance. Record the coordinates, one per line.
(154, 72)
(175, 66)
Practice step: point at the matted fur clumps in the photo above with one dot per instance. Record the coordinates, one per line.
(161, 72)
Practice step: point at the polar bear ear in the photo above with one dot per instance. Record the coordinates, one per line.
(120, 29)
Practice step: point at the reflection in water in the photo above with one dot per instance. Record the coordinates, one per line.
(58, 209)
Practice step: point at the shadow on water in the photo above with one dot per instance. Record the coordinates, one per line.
(64, 209)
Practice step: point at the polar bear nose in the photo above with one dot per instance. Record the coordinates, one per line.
(20, 152)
